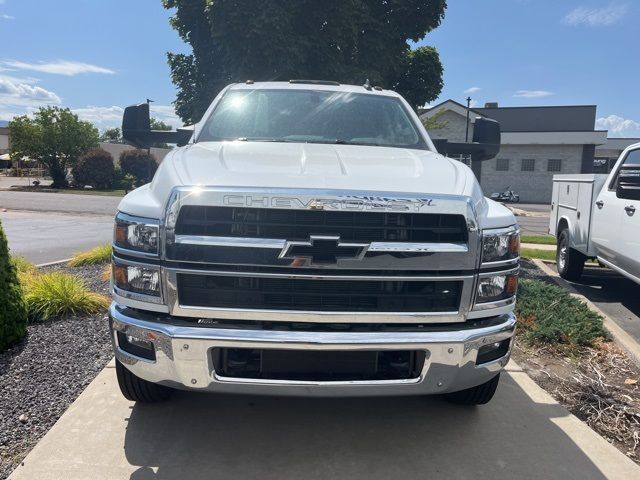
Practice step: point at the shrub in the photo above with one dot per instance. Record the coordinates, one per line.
(95, 168)
(55, 294)
(13, 313)
(139, 163)
(23, 266)
(124, 182)
(100, 254)
(549, 314)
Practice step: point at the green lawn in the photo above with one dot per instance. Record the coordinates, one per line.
(541, 254)
(539, 239)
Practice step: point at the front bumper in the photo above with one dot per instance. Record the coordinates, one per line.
(184, 360)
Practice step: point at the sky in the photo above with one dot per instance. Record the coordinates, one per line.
(97, 56)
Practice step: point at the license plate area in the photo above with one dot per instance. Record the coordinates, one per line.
(317, 366)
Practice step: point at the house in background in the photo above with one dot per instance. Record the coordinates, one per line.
(537, 143)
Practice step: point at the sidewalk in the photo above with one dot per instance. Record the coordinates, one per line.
(523, 433)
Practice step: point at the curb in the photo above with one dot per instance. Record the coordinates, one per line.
(620, 337)
(48, 264)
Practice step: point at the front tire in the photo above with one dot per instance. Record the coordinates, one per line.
(479, 395)
(136, 389)
(569, 261)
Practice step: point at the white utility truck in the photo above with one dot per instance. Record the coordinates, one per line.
(594, 216)
(306, 238)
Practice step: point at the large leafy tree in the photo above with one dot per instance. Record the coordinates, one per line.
(344, 40)
(54, 136)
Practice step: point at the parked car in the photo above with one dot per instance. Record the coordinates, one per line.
(594, 216)
(307, 239)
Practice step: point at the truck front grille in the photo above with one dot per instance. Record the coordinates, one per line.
(308, 294)
(299, 224)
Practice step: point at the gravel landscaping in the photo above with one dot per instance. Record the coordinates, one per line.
(43, 374)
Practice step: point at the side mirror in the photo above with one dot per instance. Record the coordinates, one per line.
(628, 183)
(486, 132)
(136, 129)
(485, 145)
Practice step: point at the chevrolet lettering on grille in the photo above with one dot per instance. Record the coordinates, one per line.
(323, 250)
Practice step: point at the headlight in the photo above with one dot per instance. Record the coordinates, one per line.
(497, 287)
(135, 233)
(500, 245)
(136, 279)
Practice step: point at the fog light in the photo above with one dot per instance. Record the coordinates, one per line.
(493, 351)
(136, 346)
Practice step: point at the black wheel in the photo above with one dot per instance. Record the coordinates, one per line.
(138, 390)
(570, 262)
(516, 199)
(476, 395)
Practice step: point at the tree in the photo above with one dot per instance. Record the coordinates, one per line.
(13, 312)
(159, 125)
(344, 40)
(434, 122)
(54, 136)
(113, 135)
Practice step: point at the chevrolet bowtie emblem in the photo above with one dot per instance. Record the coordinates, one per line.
(323, 250)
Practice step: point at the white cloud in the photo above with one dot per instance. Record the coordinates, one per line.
(618, 126)
(23, 92)
(4, 16)
(532, 93)
(471, 90)
(596, 17)
(473, 103)
(107, 117)
(59, 67)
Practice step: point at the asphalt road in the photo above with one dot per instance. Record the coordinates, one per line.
(60, 202)
(43, 237)
(537, 222)
(46, 227)
(615, 295)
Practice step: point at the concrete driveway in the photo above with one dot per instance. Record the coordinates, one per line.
(523, 433)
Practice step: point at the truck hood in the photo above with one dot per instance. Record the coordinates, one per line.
(309, 166)
(298, 165)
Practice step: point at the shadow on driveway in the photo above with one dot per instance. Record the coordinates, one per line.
(200, 436)
(615, 295)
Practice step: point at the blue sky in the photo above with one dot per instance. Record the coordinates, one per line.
(96, 56)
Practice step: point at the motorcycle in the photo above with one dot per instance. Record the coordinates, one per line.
(507, 196)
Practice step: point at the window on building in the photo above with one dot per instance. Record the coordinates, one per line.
(554, 165)
(528, 164)
(502, 164)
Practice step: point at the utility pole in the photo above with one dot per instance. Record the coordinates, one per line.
(149, 101)
(466, 135)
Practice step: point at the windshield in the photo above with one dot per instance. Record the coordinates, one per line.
(310, 116)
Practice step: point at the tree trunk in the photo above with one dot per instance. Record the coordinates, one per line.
(58, 175)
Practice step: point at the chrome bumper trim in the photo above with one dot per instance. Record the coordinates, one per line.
(184, 360)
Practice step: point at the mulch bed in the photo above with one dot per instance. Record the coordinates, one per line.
(600, 386)
(43, 374)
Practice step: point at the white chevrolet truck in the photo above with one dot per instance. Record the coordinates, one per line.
(594, 216)
(306, 238)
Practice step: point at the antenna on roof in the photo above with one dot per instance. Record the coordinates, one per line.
(367, 84)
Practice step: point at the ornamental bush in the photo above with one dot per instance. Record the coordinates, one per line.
(94, 168)
(13, 312)
(139, 163)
